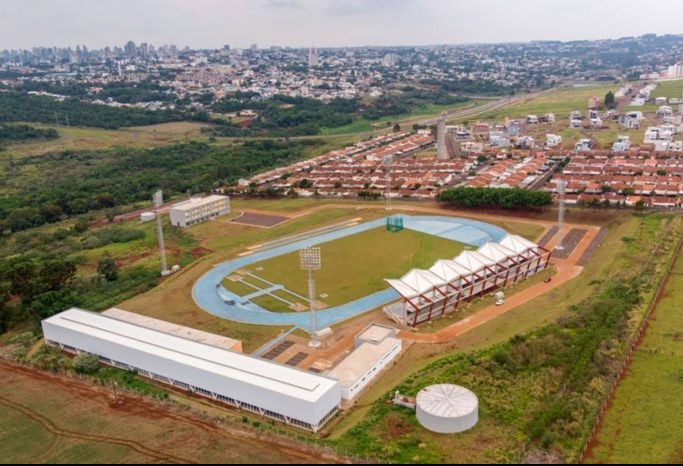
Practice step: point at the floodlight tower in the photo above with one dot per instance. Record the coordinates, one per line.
(309, 258)
(388, 160)
(158, 201)
(561, 186)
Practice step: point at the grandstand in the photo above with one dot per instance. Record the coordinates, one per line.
(427, 294)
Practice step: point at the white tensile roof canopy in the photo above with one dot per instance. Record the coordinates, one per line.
(496, 252)
(518, 244)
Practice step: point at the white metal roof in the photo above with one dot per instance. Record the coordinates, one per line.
(231, 365)
(495, 251)
(360, 361)
(198, 202)
(447, 400)
(174, 329)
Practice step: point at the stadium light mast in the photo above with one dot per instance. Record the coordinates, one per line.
(309, 258)
(387, 161)
(158, 201)
(561, 187)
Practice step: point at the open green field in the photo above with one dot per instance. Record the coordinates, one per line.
(363, 125)
(79, 138)
(356, 266)
(669, 89)
(644, 423)
(51, 420)
(560, 102)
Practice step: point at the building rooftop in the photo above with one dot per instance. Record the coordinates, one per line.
(361, 360)
(229, 364)
(375, 333)
(198, 202)
(199, 336)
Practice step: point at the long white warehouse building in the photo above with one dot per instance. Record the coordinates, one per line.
(280, 392)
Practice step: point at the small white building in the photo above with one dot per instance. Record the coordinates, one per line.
(198, 209)
(550, 117)
(375, 348)
(622, 144)
(553, 140)
(532, 119)
(575, 123)
(583, 145)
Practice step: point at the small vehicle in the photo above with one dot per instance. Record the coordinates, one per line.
(547, 280)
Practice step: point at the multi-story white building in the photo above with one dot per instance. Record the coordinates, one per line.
(199, 209)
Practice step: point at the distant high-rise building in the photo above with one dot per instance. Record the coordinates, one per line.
(144, 50)
(130, 49)
(312, 57)
(226, 47)
(254, 47)
(389, 60)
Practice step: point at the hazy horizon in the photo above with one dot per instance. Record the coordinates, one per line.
(325, 23)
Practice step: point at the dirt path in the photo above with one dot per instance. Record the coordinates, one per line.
(50, 426)
(140, 407)
(567, 269)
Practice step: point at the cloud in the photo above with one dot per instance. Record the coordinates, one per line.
(283, 4)
(360, 7)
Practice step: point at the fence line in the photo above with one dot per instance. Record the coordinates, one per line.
(635, 343)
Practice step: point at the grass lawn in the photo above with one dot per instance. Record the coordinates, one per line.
(669, 89)
(83, 138)
(645, 422)
(133, 433)
(363, 125)
(356, 266)
(559, 102)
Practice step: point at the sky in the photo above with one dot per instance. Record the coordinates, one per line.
(326, 23)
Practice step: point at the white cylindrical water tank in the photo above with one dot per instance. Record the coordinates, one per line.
(147, 216)
(447, 409)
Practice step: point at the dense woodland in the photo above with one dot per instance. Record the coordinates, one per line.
(300, 116)
(21, 133)
(514, 198)
(92, 180)
(16, 106)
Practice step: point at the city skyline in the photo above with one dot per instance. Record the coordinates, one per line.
(211, 24)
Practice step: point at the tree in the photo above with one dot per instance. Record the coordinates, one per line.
(397, 128)
(640, 206)
(81, 226)
(108, 269)
(609, 100)
(86, 363)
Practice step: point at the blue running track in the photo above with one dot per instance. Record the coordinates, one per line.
(210, 295)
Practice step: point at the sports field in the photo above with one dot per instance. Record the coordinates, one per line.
(356, 265)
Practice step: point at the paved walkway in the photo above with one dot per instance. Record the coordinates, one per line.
(209, 293)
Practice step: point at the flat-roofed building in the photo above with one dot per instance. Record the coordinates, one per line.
(198, 209)
(279, 392)
(376, 347)
(175, 329)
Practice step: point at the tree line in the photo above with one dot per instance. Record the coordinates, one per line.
(17, 106)
(51, 187)
(20, 133)
(507, 198)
